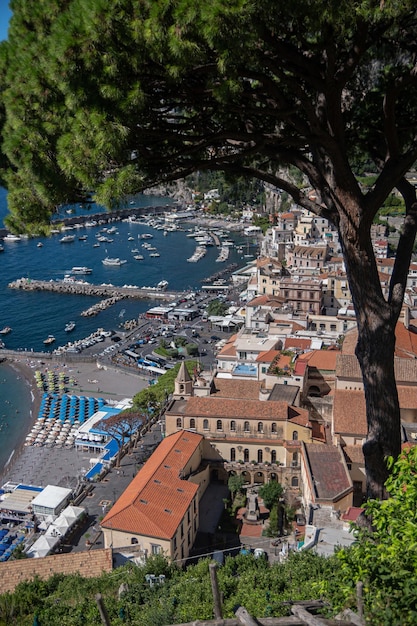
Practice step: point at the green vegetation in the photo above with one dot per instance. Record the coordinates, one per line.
(217, 307)
(384, 562)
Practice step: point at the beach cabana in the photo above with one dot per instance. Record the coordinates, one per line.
(42, 546)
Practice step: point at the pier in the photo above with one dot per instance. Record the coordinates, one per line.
(83, 288)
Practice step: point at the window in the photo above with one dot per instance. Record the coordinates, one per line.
(295, 435)
(273, 427)
(294, 481)
(232, 454)
(260, 456)
(179, 424)
(273, 456)
(134, 541)
(192, 423)
(246, 427)
(246, 455)
(205, 425)
(219, 425)
(260, 427)
(233, 425)
(155, 548)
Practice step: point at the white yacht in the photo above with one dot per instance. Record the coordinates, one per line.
(81, 269)
(12, 238)
(67, 239)
(115, 262)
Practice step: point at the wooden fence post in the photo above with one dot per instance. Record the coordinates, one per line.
(218, 614)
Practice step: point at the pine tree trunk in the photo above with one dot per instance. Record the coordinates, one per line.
(375, 352)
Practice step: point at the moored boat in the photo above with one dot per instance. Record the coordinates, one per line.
(69, 327)
(114, 262)
(67, 239)
(6, 330)
(50, 339)
(12, 238)
(81, 269)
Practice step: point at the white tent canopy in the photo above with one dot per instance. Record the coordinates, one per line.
(42, 546)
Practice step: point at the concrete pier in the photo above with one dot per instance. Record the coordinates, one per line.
(87, 289)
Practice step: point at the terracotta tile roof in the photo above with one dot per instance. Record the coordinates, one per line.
(349, 413)
(223, 408)
(156, 500)
(89, 564)
(235, 388)
(323, 360)
(228, 350)
(354, 454)
(331, 478)
(348, 367)
(405, 342)
(351, 514)
(266, 300)
(297, 343)
(251, 530)
(268, 356)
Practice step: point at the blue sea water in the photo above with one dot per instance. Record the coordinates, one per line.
(34, 315)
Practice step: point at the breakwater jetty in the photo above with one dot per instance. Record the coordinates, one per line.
(78, 288)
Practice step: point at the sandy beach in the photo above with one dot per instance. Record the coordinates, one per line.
(111, 384)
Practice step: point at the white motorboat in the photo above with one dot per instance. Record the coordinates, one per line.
(67, 239)
(50, 339)
(115, 262)
(163, 284)
(12, 238)
(39, 244)
(81, 269)
(6, 330)
(139, 257)
(69, 327)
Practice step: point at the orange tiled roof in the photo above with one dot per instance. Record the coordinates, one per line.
(296, 342)
(236, 388)
(224, 408)
(405, 342)
(268, 356)
(349, 413)
(323, 360)
(157, 499)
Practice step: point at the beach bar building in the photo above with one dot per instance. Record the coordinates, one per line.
(50, 501)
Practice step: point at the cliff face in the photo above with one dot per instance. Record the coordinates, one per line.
(177, 189)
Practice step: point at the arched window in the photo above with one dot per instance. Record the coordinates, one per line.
(260, 427)
(219, 425)
(246, 427)
(260, 456)
(273, 456)
(294, 481)
(233, 425)
(295, 435)
(179, 424)
(134, 540)
(205, 425)
(232, 454)
(273, 427)
(246, 455)
(192, 423)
